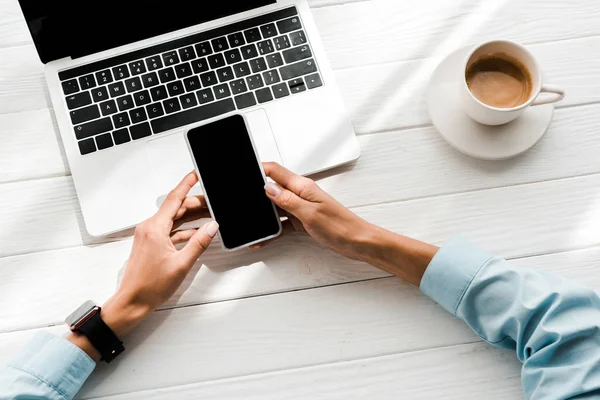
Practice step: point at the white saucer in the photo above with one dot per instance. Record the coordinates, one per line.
(470, 137)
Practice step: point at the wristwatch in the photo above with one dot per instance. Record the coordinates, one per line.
(86, 320)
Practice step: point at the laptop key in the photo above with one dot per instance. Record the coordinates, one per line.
(281, 90)
(104, 141)
(188, 100)
(183, 70)
(252, 35)
(84, 114)
(79, 100)
(200, 65)
(187, 53)
(104, 77)
(138, 115)
(220, 44)
(238, 86)
(121, 136)
(264, 95)
(265, 47)
(203, 49)
(159, 93)
(137, 67)
(236, 39)
(254, 82)
(249, 52)
(297, 85)
(225, 74)
(154, 63)
(313, 81)
(258, 65)
(100, 94)
(233, 56)
(175, 88)
(192, 83)
(208, 79)
(192, 115)
(125, 103)
(120, 72)
(142, 98)
(298, 69)
(150, 79)
(281, 42)
(108, 107)
(87, 82)
(245, 100)
(155, 110)
(288, 25)
(268, 30)
(93, 128)
(121, 120)
(241, 69)
(87, 146)
(271, 77)
(70, 86)
(205, 96)
(274, 60)
(166, 75)
(298, 38)
(170, 58)
(171, 105)
(133, 84)
(222, 91)
(116, 89)
(297, 54)
(140, 131)
(216, 61)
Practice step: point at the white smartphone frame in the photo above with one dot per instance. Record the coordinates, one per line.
(262, 171)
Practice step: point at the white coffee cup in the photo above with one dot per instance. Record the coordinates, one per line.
(489, 115)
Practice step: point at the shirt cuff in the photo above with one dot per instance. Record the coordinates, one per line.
(55, 361)
(451, 272)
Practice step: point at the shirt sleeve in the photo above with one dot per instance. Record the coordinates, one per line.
(48, 367)
(551, 323)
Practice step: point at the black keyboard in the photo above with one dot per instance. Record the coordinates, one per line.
(170, 85)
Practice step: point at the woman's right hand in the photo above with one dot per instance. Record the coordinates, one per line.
(315, 212)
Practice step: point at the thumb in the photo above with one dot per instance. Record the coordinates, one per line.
(285, 199)
(199, 242)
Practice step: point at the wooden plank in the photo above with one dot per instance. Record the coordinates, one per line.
(306, 328)
(416, 375)
(512, 222)
(392, 167)
(375, 95)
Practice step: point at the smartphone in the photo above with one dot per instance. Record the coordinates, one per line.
(233, 181)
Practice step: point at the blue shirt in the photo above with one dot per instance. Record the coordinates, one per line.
(551, 323)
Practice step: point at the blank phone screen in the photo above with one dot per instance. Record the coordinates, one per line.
(233, 182)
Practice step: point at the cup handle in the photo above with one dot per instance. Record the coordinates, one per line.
(559, 94)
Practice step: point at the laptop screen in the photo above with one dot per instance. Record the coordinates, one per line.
(63, 28)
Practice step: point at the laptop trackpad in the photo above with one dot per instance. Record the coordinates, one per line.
(171, 159)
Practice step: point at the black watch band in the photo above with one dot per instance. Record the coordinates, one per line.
(102, 338)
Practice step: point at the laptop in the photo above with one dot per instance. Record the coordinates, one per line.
(128, 78)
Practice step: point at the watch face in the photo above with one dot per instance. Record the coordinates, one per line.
(82, 314)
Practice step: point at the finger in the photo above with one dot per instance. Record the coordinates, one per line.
(176, 197)
(288, 227)
(284, 177)
(182, 236)
(198, 243)
(191, 215)
(191, 203)
(287, 200)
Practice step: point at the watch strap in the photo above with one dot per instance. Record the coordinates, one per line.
(102, 338)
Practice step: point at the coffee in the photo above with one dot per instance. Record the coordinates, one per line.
(499, 80)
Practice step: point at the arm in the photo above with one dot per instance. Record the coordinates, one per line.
(552, 324)
(50, 367)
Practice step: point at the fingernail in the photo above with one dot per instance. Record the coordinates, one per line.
(273, 189)
(212, 228)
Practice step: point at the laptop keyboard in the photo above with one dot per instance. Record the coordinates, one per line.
(150, 91)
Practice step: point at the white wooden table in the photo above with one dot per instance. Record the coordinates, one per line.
(295, 321)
